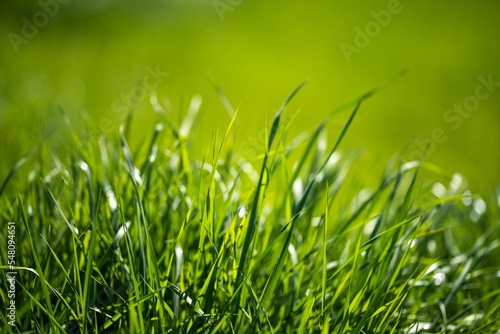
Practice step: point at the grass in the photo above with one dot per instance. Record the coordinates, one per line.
(153, 240)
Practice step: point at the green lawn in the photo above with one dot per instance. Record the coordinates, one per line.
(112, 238)
(152, 180)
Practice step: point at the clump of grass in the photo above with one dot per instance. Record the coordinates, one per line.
(152, 240)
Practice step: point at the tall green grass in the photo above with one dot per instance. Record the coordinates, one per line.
(148, 239)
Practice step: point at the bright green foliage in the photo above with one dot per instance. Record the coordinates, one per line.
(151, 240)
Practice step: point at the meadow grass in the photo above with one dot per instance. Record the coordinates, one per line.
(150, 239)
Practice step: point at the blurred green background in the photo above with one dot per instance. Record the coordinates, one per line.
(85, 55)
